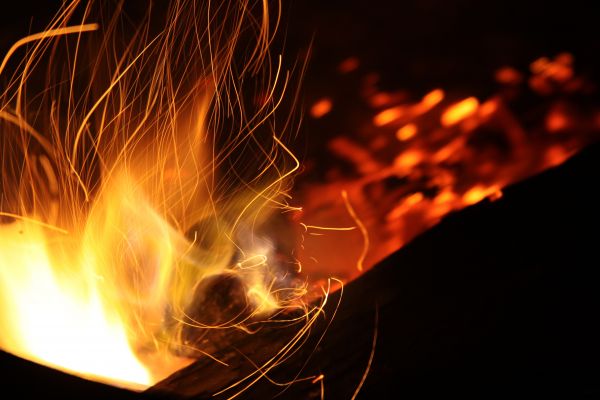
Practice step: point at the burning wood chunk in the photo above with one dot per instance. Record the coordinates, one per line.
(220, 306)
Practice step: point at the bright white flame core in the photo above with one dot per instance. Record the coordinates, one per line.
(53, 323)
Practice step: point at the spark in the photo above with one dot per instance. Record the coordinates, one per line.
(363, 231)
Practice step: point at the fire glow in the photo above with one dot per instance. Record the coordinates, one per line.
(408, 160)
(127, 189)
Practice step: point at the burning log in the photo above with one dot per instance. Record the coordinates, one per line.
(498, 297)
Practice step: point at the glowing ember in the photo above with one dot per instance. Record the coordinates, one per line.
(459, 111)
(508, 76)
(432, 99)
(407, 132)
(348, 65)
(321, 108)
(411, 162)
(388, 116)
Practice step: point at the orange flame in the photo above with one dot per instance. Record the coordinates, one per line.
(120, 200)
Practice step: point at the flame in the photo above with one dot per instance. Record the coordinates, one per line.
(134, 180)
(52, 320)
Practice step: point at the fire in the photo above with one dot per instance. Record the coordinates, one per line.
(408, 159)
(432, 99)
(321, 108)
(139, 178)
(480, 192)
(45, 318)
(133, 182)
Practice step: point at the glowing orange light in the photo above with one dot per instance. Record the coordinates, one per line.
(556, 155)
(496, 194)
(381, 99)
(348, 65)
(480, 192)
(459, 111)
(488, 108)
(407, 132)
(408, 159)
(321, 108)
(390, 115)
(448, 157)
(508, 76)
(442, 204)
(402, 208)
(539, 65)
(414, 198)
(560, 69)
(444, 197)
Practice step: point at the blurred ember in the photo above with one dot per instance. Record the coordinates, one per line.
(413, 158)
(321, 108)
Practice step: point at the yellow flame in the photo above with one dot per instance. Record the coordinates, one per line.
(122, 201)
(52, 320)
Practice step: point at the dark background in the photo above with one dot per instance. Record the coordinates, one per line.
(453, 44)
(449, 43)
